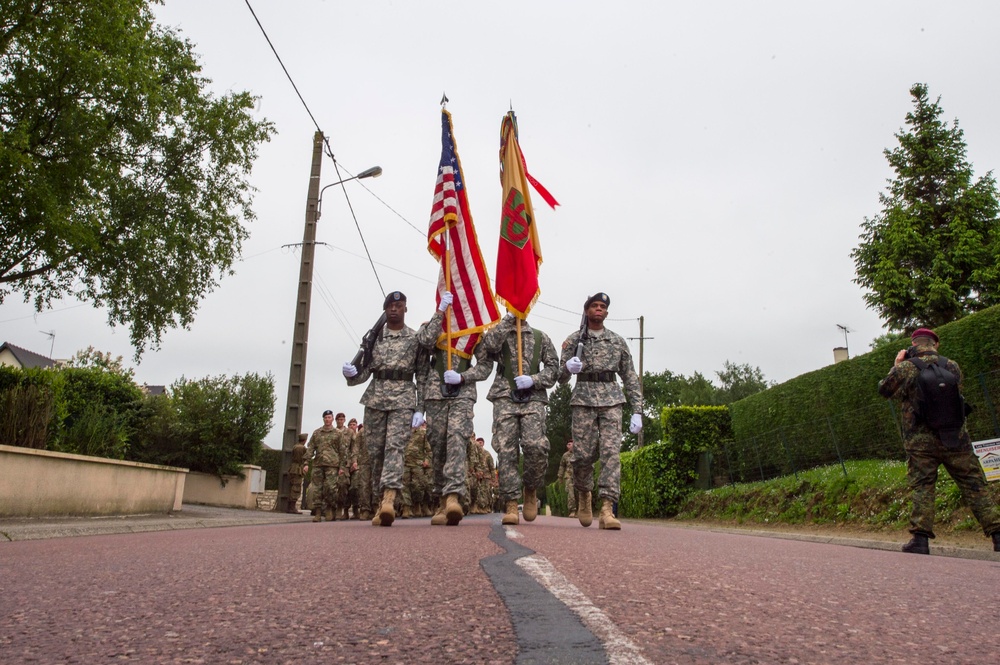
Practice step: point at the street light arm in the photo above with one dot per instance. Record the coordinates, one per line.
(372, 172)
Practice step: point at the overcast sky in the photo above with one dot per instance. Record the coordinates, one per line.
(714, 162)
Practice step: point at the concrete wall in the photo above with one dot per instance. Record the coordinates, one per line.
(40, 483)
(234, 492)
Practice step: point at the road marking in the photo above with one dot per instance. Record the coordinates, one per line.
(620, 649)
(512, 533)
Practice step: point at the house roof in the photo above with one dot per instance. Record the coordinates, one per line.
(27, 359)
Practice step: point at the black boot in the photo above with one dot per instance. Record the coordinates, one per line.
(918, 545)
(996, 541)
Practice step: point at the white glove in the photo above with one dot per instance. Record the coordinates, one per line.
(574, 365)
(523, 382)
(418, 419)
(635, 424)
(452, 378)
(350, 371)
(446, 299)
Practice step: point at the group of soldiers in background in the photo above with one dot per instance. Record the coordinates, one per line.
(331, 472)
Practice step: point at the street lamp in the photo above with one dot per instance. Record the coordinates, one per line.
(373, 172)
(300, 334)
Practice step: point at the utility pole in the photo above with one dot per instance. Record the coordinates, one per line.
(642, 338)
(300, 334)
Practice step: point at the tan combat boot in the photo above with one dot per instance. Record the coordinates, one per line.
(607, 520)
(510, 517)
(453, 512)
(347, 513)
(386, 512)
(407, 513)
(316, 516)
(439, 518)
(329, 515)
(584, 512)
(530, 505)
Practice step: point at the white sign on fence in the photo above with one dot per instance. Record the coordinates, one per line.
(988, 452)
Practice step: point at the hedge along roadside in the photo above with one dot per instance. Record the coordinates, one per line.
(850, 388)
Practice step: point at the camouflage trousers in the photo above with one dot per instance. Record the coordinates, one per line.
(963, 466)
(361, 487)
(386, 434)
(415, 489)
(449, 428)
(294, 486)
(323, 488)
(570, 492)
(484, 495)
(520, 428)
(597, 434)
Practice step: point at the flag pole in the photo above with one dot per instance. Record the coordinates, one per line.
(520, 353)
(447, 285)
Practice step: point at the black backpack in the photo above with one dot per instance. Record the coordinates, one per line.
(940, 405)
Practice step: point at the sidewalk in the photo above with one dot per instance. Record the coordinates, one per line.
(189, 517)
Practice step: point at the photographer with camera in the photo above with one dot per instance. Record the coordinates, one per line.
(928, 387)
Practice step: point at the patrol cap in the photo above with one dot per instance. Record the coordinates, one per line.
(924, 332)
(598, 297)
(395, 296)
(328, 412)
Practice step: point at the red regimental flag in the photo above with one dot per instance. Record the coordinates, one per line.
(519, 253)
(452, 234)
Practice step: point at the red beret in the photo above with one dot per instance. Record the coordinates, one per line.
(924, 332)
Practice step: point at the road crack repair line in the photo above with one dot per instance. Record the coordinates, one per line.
(553, 620)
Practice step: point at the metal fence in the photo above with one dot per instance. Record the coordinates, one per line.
(873, 432)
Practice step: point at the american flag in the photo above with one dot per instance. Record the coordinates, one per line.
(452, 233)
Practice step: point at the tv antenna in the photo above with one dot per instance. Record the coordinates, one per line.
(52, 336)
(845, 330)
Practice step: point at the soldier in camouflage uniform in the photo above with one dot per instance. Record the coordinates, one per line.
(363, 478)
(519, 397)
(565, 476)
(416, 458)
(295, 473)
(393, 403)
(358, 497)
(325, 452)
(347, 461)
(597, 409)
(449, 397)
(926, 451)
(490, 476)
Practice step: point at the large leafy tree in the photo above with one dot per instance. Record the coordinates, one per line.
(739, 381)
(933, 254)
(123, 181)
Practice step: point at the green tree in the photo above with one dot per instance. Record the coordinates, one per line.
(696, 390)
(558, 427)
(221, 421)
(123, 181)
(932, 255)
(739, 381)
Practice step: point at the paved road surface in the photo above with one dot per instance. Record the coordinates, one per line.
(546, 592)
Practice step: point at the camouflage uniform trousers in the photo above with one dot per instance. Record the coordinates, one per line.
(517, 428)
(922, 462)
(323, 488)
(449, 427)
(343, 490)
(484, 495)
(295, 486)
(386, 434)
(571, 491)
(597, 434)
(414, 488)
(361, 485)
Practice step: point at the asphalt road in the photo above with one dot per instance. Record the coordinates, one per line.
(546, 592)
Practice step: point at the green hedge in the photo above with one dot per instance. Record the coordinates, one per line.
(657, 478)
(270, 461)
(837, 410)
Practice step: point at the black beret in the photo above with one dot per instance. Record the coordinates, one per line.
(598, 297)
(328, 412)
(395, 296)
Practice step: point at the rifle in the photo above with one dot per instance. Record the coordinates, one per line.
(364, 354)
(583, 336)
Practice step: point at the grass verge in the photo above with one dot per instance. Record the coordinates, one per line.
(871, 496)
